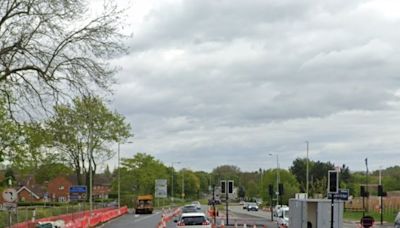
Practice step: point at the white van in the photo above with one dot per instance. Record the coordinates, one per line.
(283, 217)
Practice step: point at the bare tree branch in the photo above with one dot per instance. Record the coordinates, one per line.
(49, 47)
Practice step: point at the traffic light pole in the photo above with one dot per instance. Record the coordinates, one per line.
(226, 199)
(332, 209)
(381, 209)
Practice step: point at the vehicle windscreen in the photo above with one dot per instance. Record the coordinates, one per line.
(193, 220)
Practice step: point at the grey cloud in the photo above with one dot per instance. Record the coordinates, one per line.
(233, 79)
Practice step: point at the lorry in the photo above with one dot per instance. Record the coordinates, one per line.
(144, 204)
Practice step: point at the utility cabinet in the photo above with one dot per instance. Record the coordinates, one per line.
(314, 213)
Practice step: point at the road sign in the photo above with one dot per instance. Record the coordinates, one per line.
(342, 194)
(10, 206)
(78, 189)
(10, 195)
(161, 188)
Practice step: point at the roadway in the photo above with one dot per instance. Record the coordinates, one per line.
(236, 215)
(132, 220)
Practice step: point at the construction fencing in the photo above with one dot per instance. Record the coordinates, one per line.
(77, 220)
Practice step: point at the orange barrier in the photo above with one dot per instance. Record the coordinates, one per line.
(167, 216)
(79, 219)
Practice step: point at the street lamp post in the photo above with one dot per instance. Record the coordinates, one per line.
(277, 177)
(183, 184)
(307, 171)
(119, 175)
(172, 182)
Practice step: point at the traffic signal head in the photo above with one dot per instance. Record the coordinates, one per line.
(230, 187)
(223, 187)
(270, 189)
(280, 188)
(380, 190)
(333, 181)
(363, 192)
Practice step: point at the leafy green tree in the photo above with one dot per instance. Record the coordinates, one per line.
(205, 182)
(391, 178)
(289, 181)
(9, 134)
(32, 150)
(226, 172)
(189, 182)
(9, 177)
(83, 132)
(138, 174)
(299, 170)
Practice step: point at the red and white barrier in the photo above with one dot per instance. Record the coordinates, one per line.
(79, 219)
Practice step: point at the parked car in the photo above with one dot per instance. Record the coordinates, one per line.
(252, 207)
(193, 220)
(245, 205)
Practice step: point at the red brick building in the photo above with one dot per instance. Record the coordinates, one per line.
(29, 190)
(27, 195)
(101, 187)
(58, 189)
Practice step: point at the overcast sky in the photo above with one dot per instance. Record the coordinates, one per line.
(220, 82)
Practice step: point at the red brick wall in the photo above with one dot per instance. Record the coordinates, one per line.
(59, 187)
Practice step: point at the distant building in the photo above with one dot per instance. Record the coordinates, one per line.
(29, 191)
(58, 189)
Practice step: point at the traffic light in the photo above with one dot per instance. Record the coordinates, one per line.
(380, 191)
(271, 190)
(333, 181)
(364, 193)
(280, 188)
(223, 187)
(230, 187)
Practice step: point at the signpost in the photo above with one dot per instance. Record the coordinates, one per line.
(227, 188)
(10, 197)
(333, 189)
(342, 194)
(77, 192)
(161, 188)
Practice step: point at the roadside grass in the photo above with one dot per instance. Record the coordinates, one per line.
(356, 216)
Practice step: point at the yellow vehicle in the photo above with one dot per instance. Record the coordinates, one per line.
(144, 204)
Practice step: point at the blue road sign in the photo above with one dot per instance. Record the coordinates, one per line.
(78, 189)
(343, 194)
